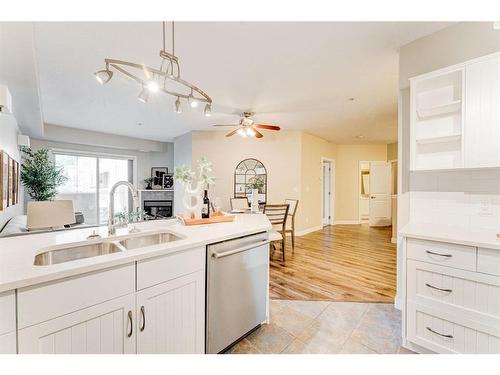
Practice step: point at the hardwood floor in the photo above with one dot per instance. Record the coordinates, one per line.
(338, 263)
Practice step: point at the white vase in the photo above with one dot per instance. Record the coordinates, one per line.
(255, 200)
(190, 194)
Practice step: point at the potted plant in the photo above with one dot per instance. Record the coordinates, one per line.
(39, 175)
(148, 182)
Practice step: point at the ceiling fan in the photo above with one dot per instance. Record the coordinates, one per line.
(248, 128)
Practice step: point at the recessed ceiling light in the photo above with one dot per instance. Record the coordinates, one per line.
(139, 123)
(360, 136)
(351, 99)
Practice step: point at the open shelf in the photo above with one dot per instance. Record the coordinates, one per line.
(440, 139)
(440, 110)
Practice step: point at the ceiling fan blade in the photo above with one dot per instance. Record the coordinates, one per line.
(227, 125)
(267, 127)
(258, 134)
(231, 133)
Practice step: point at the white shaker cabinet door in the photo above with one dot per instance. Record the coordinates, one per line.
(482, 124)
(171, 316)
(106, 328)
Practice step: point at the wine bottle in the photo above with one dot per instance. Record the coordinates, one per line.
(205, 208)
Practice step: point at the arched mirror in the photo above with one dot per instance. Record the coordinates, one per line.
(250, 174)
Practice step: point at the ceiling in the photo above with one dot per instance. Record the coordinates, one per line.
(297, 75)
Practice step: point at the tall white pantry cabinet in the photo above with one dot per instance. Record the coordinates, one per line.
(455, 116)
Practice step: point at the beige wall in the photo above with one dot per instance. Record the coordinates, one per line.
(280, 154)
(347, 177)
(310, 206)
(392, 151)
(293, 162)
(453, 45)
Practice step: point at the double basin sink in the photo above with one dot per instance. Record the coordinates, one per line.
(70, 253)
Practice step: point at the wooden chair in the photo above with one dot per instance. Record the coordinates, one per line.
(293, 203)
(277, 215)
(239, 203)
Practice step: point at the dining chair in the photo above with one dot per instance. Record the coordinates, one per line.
(293, 203)
(277, 215)
(239, 203)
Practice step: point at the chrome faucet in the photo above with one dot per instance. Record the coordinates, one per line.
(111, 207)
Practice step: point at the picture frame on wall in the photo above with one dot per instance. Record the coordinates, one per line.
(4, 180)
(157, 174)
(10, 195)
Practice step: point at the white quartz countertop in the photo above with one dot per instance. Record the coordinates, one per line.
(17, 253)
(454, 234)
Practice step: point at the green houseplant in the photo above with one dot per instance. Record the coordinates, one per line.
(39, 175)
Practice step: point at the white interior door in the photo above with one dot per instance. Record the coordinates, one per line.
(327, 192)
(380, 193)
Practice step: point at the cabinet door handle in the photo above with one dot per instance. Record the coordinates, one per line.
(439, 334)
(438, 254)
(440, 289)
(143, 318)
(131, 324)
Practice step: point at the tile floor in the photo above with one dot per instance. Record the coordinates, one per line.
(321, 327)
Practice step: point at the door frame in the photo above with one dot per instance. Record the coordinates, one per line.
(331, 220)
(359, 188)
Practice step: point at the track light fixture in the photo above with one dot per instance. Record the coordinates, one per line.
(163, 79)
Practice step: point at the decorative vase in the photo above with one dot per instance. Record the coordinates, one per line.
(193, 210)
(255, 200)
(148, 187)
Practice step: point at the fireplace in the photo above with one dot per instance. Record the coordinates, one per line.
(158, 209)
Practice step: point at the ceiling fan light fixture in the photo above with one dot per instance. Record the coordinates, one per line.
(250, 132)
(143, 95)
(241, 132)
(103, 76)
(208, 110)
(178, 108)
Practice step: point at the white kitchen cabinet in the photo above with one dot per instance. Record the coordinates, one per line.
(106, 328)
(482, 108)
(171, 316)
(8, 322)
(455, 116)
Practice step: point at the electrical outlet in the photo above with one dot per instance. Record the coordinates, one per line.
(485, 207)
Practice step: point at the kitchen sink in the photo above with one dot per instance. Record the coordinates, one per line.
(68, 254)
(148, 240)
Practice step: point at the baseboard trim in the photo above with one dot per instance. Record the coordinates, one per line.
(347, 222)
(397, 303)
(303, 232)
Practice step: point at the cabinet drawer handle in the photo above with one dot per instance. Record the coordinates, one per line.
(438, 254)
(440, 289)
(131, 324)
(143, 318)
(439, 334)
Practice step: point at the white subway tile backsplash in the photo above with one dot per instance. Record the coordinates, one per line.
(461, 197)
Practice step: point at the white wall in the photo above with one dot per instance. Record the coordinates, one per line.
(183, 155)
(8, 143)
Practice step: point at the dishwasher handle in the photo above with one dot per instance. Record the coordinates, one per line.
(240, 249)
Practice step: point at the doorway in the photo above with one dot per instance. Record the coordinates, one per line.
(375, 186)
(328, 191)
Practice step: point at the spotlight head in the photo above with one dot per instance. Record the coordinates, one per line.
(152, 86)
(192, 101)
(208, 110)
(177, 106)
(103, 76)
(143, 95)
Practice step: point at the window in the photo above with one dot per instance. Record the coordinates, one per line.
(90, 179)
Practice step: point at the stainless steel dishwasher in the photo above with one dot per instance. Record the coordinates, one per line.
(237, 289)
